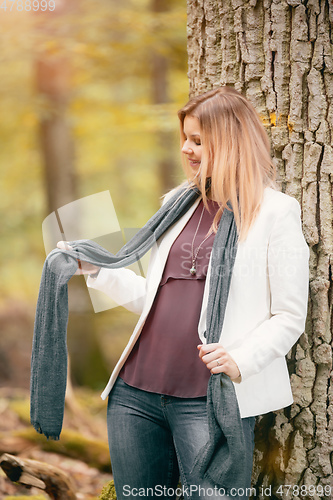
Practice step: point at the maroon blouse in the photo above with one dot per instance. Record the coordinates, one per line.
(165, 357)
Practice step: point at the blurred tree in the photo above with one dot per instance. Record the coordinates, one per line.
(279, 54)
(57, 146)
(53, 83)
(160, 95)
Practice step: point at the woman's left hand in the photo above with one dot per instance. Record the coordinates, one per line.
(218, 360)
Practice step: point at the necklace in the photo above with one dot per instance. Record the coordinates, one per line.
(193, 269)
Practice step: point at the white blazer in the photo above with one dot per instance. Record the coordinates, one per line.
(266, 307)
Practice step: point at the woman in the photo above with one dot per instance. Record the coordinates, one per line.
(157, 417)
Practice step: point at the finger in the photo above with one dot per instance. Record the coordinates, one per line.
(212, 351)
(223, 366)
(205, 351)
(216, 364)
(79, 268)
(199, 347)
(217, 369)
(201, 350)
(212, 357)
(206, 348)
(229, 368)
(63, 245)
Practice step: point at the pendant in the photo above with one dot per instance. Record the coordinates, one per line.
(193, 271)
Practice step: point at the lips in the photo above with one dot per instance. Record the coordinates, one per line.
(194, 163)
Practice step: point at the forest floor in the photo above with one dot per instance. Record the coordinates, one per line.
(82, 451)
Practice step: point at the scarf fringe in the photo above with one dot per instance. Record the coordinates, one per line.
(48, 436)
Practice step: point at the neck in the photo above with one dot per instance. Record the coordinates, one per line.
(210, 197)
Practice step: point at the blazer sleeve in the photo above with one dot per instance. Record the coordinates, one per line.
(124, 286)
(288, 275)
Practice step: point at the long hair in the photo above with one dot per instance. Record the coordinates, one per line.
(236, 163)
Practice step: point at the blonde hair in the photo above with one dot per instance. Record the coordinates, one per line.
(236, 164)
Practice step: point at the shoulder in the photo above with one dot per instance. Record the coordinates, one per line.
(170, 193)
(278, 212)
(275, 203)
(282, 216)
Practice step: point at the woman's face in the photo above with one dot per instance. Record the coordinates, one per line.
(192, 145)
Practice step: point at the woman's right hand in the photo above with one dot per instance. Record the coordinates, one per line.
(84, 267)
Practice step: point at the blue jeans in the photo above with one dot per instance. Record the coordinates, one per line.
(154, 439)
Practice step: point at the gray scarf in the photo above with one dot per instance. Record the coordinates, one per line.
(223, 458)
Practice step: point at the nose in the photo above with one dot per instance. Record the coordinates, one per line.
(186, 149)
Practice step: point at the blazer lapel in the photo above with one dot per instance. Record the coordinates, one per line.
(159, 257)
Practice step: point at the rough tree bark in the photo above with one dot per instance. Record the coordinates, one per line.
(279, 54)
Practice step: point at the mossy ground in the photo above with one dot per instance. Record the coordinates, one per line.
(108, 492)
(73, 444)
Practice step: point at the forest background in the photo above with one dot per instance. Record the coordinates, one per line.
(119, 123)
(89, 95)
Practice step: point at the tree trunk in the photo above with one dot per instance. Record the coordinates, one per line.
(279, 54)
(52, 75)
